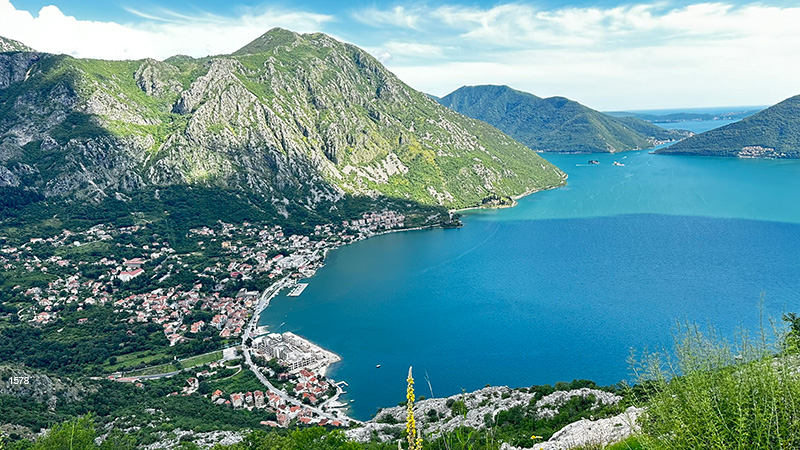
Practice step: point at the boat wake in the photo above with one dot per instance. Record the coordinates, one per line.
(465, 253)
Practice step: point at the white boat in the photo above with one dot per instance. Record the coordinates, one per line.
(617, 163)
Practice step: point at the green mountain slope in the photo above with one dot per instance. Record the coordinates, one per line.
(292, 118)
(10, 45)
(555, 124)
(771, 133)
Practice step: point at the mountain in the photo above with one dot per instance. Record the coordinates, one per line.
(555, 124)
(771, 133)
(292, 118)
(684, 116)
(10, 45)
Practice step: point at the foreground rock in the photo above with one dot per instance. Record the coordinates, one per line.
(585, 433)
(437, 415)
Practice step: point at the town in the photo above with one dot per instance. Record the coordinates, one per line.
(200, 295)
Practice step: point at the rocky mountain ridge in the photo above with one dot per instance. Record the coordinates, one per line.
(290, 117)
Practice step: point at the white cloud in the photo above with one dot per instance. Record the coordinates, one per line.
(399, 16)
(521, 25)
(632, 56)
(165, 33)
(413, 49)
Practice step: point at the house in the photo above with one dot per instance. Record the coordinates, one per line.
(283, 420)
(237, 400)
(258, 396)
(134, 263)
(129, 275)
(197, 326)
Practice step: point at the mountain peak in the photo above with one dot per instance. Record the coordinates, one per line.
(555, 123)
(289, 116)
(268, 41)
(10, 45)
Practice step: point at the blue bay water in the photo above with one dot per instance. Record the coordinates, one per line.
(562, 286)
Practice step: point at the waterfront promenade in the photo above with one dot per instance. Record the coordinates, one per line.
(263, 302)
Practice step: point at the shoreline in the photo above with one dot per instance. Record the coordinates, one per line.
(287, 282)
(513, 197)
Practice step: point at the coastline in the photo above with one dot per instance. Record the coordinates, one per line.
(513, 197)
(287, 282)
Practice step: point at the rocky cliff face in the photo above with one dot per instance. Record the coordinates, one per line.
(291, 117)
(31, 385)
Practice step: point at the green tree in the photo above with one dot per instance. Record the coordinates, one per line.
(75, 434)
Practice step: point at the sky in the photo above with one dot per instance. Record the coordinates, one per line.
(609, 55)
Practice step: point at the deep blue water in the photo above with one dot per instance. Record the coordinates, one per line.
(562, 286)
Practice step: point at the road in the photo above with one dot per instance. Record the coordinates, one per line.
(263, 302)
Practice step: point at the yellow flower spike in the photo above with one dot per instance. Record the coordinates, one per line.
(414, 436)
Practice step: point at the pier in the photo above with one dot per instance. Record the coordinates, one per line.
(297, 290)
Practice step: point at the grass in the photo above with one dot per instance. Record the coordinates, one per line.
(154, 370)
(241, 382)
(200, 360)
(716, 395)
(134, 360)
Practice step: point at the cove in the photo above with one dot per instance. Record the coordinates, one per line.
(562, 286)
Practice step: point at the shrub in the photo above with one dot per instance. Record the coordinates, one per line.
(716, 396)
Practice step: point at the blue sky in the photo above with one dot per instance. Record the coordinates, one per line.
(607, 54)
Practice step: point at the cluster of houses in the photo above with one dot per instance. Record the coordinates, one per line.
(310, 386)
(168, 307)
(385, 220)
(70, 286)
(284, 412)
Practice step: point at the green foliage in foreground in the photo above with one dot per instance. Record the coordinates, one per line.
(80, 434)
(718, 396)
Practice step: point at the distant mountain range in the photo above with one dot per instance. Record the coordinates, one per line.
(556, 124)
(771, 133)
(291, 118)
(684, 116)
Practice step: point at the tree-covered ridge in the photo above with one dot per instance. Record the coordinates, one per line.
(772, 133)
(298, 117)
(555, 124)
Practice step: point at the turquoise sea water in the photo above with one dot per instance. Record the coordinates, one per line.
(562, 286)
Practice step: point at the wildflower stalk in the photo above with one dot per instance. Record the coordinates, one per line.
(413, 435)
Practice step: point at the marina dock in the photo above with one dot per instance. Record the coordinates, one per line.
(297, 290)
